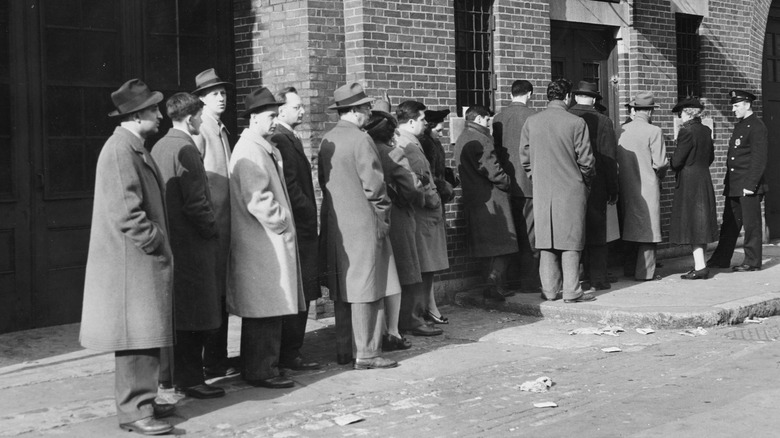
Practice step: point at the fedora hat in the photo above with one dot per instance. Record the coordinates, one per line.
(258, 99)
(436, 117)
(588, 89)
(207, 79)
(644, 99)
(349, 95)
(690, 102)
(132, 96)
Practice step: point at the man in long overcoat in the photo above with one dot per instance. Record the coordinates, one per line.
(297, 175)
(507, 128)
(744, 186)
(214, 147)
(643, 162)
(604, 185)
(430, 236)
(193, 233)
(128, 296)
(485, 196)
(556, 154)
(358, 257)
(264, 274)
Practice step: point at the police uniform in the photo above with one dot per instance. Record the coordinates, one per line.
(745, 165)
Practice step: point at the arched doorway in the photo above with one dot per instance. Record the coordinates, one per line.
(771, 113)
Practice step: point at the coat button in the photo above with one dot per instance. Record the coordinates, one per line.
(732, 169)
(732, 158)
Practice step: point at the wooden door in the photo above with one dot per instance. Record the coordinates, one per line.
(585, 53)
(771, 116)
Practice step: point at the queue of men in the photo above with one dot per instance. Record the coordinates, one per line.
(194, 231)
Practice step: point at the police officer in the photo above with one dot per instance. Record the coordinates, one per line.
(744, 187)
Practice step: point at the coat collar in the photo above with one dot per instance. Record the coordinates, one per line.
(257, 139)
(213, 123)
(693, 121)
(407, 138)
(178, 133)
(520, 104)
(557, 104)
(135, 141)
(748, 119)
(477, 127)
(588, 108)
(642, 117)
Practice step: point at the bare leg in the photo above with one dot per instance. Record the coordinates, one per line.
(698, 257)
(392, 310)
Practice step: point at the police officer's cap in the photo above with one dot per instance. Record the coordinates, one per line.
(741, 96)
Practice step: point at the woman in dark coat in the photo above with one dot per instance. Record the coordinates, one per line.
(694, 221)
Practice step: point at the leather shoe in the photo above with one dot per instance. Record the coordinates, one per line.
(392, 343)
(425, 330)
(580, 299)
(436, 319)
(147, 426)
(298, 364)
(656, 277)
(601, 285)
(343, 359)
(715, 264)
(222, 370)
(745, 268)
(203, 391)
(694, 274)
(373, 363)
(277, 382)
(163, 410)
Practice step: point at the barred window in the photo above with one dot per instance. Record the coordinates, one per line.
(474, 74)
(688, 47)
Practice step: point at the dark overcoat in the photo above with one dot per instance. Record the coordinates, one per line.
(746, 158)
(603, 143)
(406, 192)
(694, 217)
(507, 129)
(485, 196)
(128, 288)
(434, 152)
(193, 232)
(556, 154)
(355, 242)
(297, 174)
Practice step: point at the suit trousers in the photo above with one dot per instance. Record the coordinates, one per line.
(188, 357)
(594, 261)
(639, 260)
(167, 366)
(293, 332)
(523, 215)
(414, 302)
(215, 347)
(738, 212)
(261, 340)
(559, 271)
(359, 328)
(137, 372)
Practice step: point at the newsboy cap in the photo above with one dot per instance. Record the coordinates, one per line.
(740, 96)
(207, 79)
(349, 95)
(132, 96)
(259, 99)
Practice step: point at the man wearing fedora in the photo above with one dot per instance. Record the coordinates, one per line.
(212, 142)
(297, 175)
(264, 282)
(358, 261)
(128, 288)
(556, 154)
(642, 159)
(744, 186)
(193, 234)
(507, 127)
(604, 185)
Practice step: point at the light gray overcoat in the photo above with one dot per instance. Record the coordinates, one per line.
(128, 289)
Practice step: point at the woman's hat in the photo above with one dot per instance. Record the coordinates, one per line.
(691, 102)
(132, 96)
(435, 117)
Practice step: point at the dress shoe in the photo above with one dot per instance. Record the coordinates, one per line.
(147, 426)
(298, 364)
(440, 319)
(601, 285)
(277, 382)
(221, 370)
(374, 362)
(343, 359)
(580, 299)
(203, 391)
(163, 410)
(745, 268)
(392, 343)
(694, 274)
(656, 277)
(425, 330)
(715, 264)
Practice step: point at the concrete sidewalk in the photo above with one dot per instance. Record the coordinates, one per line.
(725, 298)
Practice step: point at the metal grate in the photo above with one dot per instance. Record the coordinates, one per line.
(688, 47)
(474, 74)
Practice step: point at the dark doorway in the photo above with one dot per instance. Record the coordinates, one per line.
(586, 52)
(771, 112)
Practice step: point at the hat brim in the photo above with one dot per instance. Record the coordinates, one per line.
(362, 101)
(259, 109)
(197, 91)
(154, 99)
(633, 105)
(587, 93)
(679, 107)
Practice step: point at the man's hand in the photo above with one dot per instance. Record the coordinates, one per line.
(746, 192)
(613, 199)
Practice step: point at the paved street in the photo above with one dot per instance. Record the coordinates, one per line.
(465, 383)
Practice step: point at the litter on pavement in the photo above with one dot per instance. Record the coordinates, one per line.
(611, 330)
(347, 419)
(645, 331)
(546, 405)
(698, 331)
(541, 384)
(755, 320)
(611, 350)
